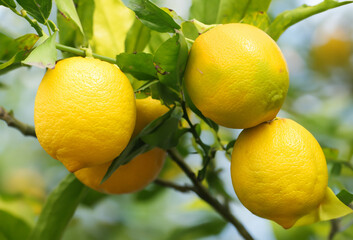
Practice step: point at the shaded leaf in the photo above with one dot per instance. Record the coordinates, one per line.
(152, 16)
(13, 46)
(156, 40)
(85, 11)
(345, 197)
(289, 18)
(336, 169)
(167, 135)
(170, 60)
(8, 3)
(39, 9)
(230, 144)
(8, 52)
(16, 50)
(59, 209)
(204, 11)
(13, 227)
(231, 11)
(137, 146)
(67, 8)
(137, 37)
(189, 30)
(45, 55)
(166, 94)
(139, 65)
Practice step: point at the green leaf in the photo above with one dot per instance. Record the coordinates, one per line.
(189, 30)
(291, 17)
(345, 197)
(13, 227)
(139, 65)
(336, 169)
(13, 46)
(170, 61)
(232, 11)
(166, 94)
(167, 135)
(152, 16)
(59, 209)
(204, 11)
(137, 145)
(8, 52)
(212, 227)
(8, 3)
(230, 144)
(137, 37)
(259, 19)
(16, 50)
(39, 9)
(85, 11)
(45, 55)
(67, 8)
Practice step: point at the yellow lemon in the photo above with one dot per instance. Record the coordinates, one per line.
(141, 170)
(236, 75)
(84, 112)
(279, 171)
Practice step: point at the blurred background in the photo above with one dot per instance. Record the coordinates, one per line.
(319, 53)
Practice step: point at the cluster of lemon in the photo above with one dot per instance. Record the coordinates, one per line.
(237, 76)
(86, 114)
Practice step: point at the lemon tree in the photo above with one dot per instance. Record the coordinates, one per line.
(131, 92)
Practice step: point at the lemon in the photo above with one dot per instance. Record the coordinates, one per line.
(140, 171)
(236, 75)
(84, 112)
(279, 171)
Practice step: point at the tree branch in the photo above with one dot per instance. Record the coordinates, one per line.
(11, 121)
(203, 193)
(174, 186)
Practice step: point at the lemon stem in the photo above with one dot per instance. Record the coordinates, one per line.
(81, 52)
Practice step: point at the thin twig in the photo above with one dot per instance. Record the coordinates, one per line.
(203, 193)
(81, 52)
(209, 153)
(175, 186)
(335, 228)
(11, 121)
